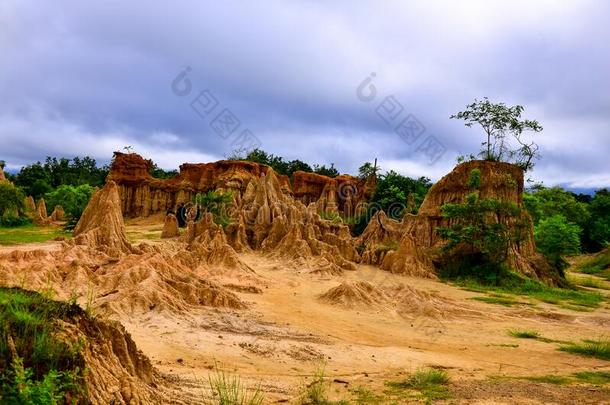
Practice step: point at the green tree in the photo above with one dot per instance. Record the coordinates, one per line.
(326, 171)
(503, 127)
(548, 202)
(556, 237)
(368, 169)
(598, 228)
(215, 202)
(11, 198)
(396, 195)
(479, 233)
(73, 200)
(160, 173)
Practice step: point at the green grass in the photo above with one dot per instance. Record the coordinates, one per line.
(599, 349)
(586, 377)
(598, 265)
(316, 393)
(227, 389)
(30, 234)
(593, 377)
(429, 383)
(519, 286)
(589, 282)
(35, 366)
(524, 334)
(498, 300)
(362, 395)
(549, 379)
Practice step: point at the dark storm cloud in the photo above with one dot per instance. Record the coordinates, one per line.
(84, 78)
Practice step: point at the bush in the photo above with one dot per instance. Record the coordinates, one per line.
(215, 202)
(41, 368)
(11, 198)
(555, 237)
(12, 221)
(74, 200)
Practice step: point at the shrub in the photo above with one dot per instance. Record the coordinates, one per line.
(11, 198)
(74, 200)
(555, 237)
(41, 368)
(215, 202)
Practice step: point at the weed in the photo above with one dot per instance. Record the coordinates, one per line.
(429, 383)
(35, 366)
(316, 393)
(506, 302)
(593, 348)
(227, 389)
(524, 334)
(593, 377)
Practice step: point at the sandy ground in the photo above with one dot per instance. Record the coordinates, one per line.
(287, 333)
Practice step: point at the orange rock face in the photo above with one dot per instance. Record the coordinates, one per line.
(420, 242)
(143, 195)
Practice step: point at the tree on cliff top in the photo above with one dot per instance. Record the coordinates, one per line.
(505, 130)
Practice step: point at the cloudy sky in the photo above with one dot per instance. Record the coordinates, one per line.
(88, 78)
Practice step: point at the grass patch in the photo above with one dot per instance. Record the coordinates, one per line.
(35, 366)
(599, 349)
(227, 389)
(519, 286)
(316, 393)
(498, 300)
(588, 282)
(524, 334)
(598, 265)
(430, 384)
(549, 379)
(593, 377)
(362, 395)
(30, 234)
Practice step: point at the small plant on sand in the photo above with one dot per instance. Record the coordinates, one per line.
(36, 367)
(428, 382)
(524, 334)
(316, 392)
(228, 389)
(217, 203)
(599, 349)
(593, 377)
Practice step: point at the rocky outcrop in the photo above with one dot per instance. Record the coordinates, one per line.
(380, 237)
(143, 195)
(420, 243)
(58, 213)
(170, 227)
(40, 214)
(101, 226)
(29, 204)
(343, 194)
(3, 178)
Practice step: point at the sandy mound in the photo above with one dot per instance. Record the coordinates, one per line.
(101, 226)
(2, 176)
(170, 227)
(354, 293)
(58, 213)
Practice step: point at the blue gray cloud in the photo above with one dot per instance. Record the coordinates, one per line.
(87, 78)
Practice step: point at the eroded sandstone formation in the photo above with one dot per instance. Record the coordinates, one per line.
(170, 227)
(420, 242)
(58, 213)
(143, 195)
(101, 226)
(2, 176)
